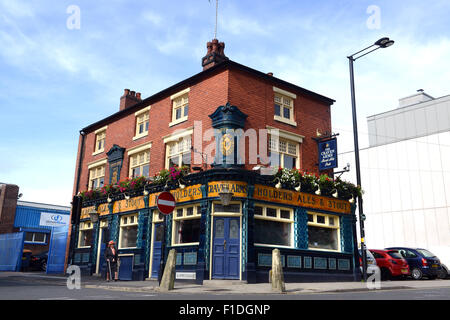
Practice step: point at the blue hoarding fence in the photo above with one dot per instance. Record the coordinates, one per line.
(57, 250)
(11, 247)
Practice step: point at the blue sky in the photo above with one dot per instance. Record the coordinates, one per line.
(54, 80)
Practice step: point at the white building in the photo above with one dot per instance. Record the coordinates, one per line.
(405, 173)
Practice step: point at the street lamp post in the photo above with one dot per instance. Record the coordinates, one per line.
(381, 43)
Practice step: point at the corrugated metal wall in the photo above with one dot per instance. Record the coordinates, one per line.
(29, 217)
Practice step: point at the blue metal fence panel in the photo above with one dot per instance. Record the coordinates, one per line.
(11, 247)
(57, 250)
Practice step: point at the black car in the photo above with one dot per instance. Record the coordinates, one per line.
(39, 261)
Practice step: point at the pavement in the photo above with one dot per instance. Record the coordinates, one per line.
(228, 286)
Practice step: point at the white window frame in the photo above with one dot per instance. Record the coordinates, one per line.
(95, 174)
(326, 224)
(283, 94)
(196, 214)
(137, 152)
(275, 135)
(179, 100)
(124, 222)
(100, 135)
(177, 145)
(142, 116)
(34, 236)
(84, 226)
(276, 219)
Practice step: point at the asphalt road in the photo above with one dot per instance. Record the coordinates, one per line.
(31, 289)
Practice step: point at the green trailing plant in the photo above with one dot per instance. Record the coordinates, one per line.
(136, 183)
(311, 182)
(326, 185)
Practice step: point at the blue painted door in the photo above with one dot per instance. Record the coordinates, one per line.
(226, 251)
(158, 236)
(126, 268)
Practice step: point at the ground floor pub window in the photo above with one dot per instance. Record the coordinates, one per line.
(273, 226)
(186, 225)
(128, 231)
(85, 235)
(323, 231)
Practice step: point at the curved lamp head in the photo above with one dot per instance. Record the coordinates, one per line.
(384, 42)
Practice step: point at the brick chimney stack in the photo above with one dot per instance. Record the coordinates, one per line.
(214, 55)
(129, 99)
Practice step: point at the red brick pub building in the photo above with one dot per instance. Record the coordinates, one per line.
(227, 125)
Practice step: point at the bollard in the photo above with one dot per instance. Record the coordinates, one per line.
(168, 278)
(277, 272)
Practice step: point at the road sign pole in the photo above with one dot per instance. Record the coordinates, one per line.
(166, 204)
(163, 249)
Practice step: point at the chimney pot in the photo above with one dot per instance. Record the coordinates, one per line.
(270, 74)
(214, 55)
(129, 99)
(138, 95)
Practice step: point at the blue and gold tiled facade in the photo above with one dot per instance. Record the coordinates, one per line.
(315, 234)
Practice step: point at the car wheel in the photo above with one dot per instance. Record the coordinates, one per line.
(44, 266)
(443, 273)
(416, 274)
(385, 274)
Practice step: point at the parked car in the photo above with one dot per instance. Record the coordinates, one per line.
(421, 262)
(39, 261)
(444, 273)
(371, 262)
(391, 264)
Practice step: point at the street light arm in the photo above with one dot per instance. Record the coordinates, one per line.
(351, 57)
(365, 53)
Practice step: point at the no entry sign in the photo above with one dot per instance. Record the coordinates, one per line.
(165, 202)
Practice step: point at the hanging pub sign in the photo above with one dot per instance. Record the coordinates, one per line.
(328, 154)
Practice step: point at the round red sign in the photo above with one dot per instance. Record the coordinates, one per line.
(165, 202)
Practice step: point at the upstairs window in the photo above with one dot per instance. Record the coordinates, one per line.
(142, 123)
(286, 151)
(179, 153)
(100, 138)
(284, 106)
(96, 177)
(180, 107)
(140, 164)
(284, 148)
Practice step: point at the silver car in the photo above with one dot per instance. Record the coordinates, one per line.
(372, 267)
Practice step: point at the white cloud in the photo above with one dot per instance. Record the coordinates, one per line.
(17, 9)
(153, 17)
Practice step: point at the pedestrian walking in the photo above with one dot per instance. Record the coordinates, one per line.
(111, 256)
